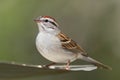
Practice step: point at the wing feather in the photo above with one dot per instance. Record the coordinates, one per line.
(68, 43)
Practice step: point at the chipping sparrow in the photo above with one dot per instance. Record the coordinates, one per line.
(57, 47)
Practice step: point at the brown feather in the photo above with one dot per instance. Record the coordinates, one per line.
(68, 43)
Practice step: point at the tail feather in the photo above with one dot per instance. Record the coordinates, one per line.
(95, 62)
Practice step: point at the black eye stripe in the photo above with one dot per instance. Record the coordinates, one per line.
(46, 20)
(53, 23)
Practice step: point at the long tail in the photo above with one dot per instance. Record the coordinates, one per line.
(95, 62)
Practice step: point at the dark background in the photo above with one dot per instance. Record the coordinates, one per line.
(94, 24)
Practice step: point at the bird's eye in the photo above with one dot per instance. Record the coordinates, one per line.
(46, 20)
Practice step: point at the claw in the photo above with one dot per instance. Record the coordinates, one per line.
(67, 65)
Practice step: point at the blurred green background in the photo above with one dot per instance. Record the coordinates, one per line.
(94, 24)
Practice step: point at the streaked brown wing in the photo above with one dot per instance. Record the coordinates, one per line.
(69, 43)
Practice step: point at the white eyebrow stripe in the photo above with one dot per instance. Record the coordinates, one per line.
(50, 19)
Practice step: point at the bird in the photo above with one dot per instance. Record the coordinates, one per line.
(57, 47)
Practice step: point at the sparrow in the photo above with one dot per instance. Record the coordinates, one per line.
(57, 47)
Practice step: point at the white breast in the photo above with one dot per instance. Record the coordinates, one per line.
(50, 47)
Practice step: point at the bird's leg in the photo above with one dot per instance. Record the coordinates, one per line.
(67, 65)
(49, 64)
